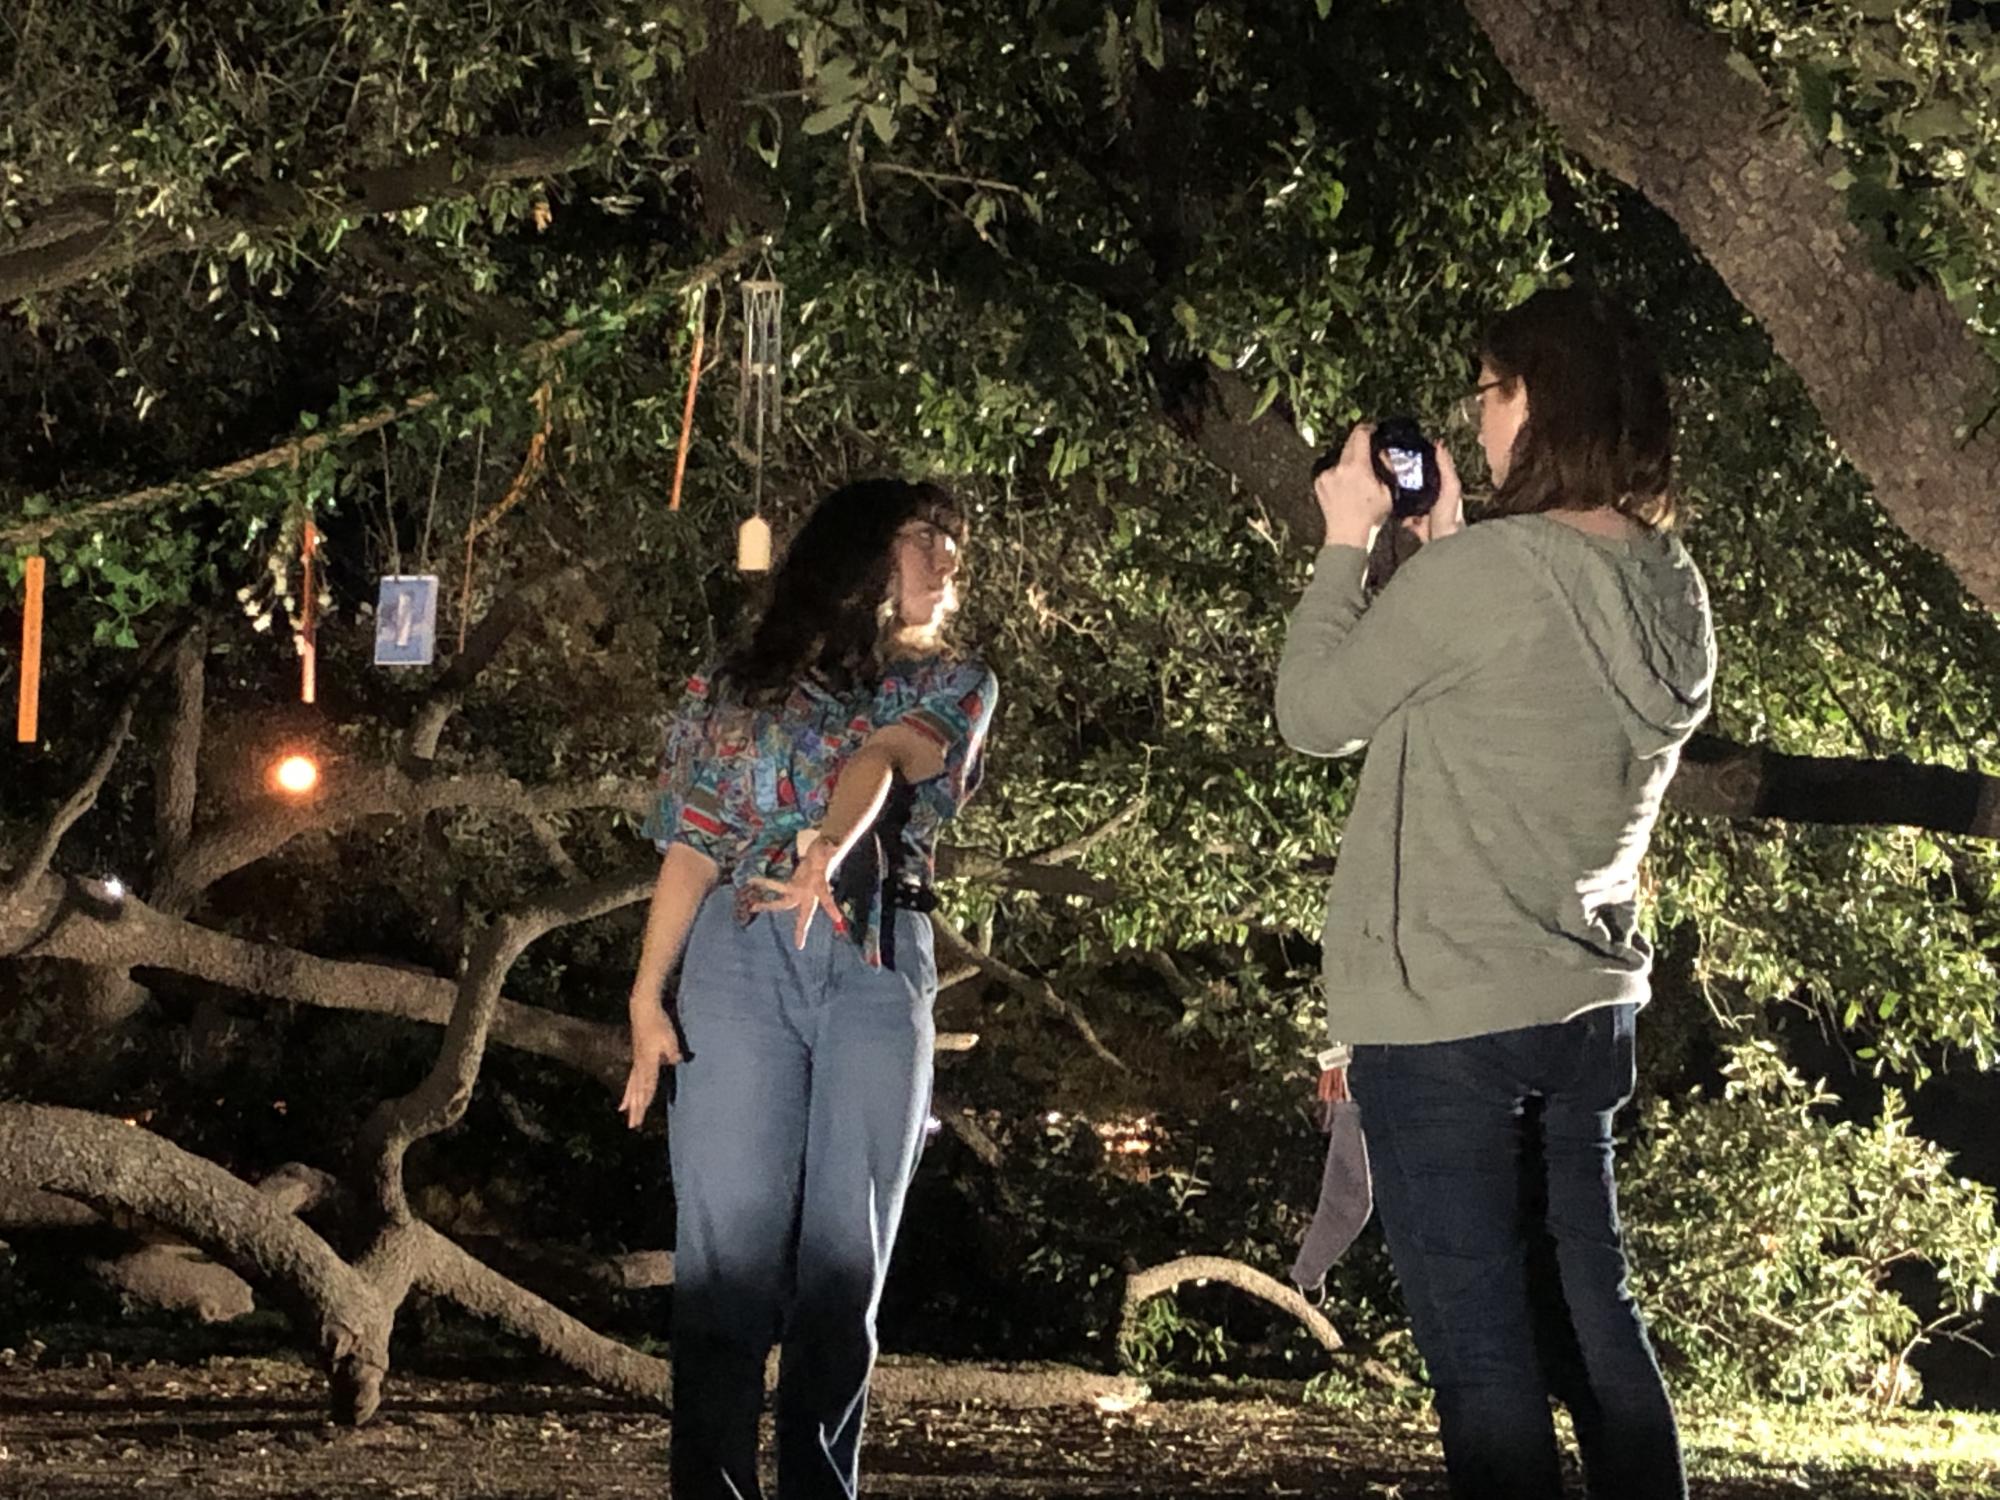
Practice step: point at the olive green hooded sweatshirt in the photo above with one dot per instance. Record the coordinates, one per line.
(1522, 690)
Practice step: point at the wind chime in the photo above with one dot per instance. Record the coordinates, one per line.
(759, 407)
(27, 721)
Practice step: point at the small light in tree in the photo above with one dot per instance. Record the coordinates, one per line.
(932, 1125)
(114, 888)
(296, 774)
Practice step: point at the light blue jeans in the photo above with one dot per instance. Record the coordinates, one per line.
(794, 1130)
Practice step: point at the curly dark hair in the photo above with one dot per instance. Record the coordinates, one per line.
(1599, 428)
(826, 618)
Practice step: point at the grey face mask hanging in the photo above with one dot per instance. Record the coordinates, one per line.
(1346, 1198)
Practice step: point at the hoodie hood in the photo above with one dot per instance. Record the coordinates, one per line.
(1640, 612)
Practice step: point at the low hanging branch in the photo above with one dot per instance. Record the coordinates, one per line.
(29, 875)
(957, 949)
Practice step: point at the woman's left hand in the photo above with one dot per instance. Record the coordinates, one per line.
(1448, 515)
(808, 890)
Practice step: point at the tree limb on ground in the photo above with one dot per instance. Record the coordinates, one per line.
(1142, 1286)
(1898, 376)
(112, 1166)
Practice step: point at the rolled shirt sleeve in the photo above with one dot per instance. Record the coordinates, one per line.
(954, 712)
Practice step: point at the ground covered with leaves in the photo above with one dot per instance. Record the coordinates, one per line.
(237, 1428)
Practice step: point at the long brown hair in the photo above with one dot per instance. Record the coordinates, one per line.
(1599, 430)
(826, 617)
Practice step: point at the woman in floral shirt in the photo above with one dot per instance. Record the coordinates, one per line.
(806, 773)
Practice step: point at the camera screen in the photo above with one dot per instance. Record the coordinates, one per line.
(1408, 467)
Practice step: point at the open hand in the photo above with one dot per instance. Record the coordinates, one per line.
(806, 892)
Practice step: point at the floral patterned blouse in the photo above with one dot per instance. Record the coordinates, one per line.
(739, 784)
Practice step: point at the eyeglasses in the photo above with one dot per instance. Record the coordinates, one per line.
(929, 536)
(1469, 404)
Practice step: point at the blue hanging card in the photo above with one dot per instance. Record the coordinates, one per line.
(406, 621)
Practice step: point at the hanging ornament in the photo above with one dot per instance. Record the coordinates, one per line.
(27, 723)
(759, 407)
(700, 301)
(406, 620)
(753, 546)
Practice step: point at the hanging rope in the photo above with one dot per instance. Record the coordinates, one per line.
(530, 467)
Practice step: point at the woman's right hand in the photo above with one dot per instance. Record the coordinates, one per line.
(809, 890)
(655, 1044)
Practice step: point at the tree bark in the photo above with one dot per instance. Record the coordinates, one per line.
(1897, 375)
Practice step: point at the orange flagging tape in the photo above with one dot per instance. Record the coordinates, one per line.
(308, 647)
(27, 727)
(687, 410)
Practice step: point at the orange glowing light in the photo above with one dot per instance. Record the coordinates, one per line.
(296, 774)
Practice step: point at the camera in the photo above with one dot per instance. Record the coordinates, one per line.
(1404, 459)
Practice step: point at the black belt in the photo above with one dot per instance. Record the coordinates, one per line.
(908, 895)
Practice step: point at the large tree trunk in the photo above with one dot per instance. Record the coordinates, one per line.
(1896, 374)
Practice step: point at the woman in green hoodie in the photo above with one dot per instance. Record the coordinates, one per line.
(1522, 688)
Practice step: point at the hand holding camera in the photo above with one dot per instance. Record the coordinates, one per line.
(1388, 469)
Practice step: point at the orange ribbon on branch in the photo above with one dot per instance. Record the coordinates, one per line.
(309, 617)
(27, 723)
(687, 408)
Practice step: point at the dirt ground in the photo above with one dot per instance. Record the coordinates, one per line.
(253, 1429)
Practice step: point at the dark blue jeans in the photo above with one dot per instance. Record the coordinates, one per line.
(794, 1129)
(1493, 1177)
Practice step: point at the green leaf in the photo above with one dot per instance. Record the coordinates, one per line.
(1146, 29)
(1816, 101)
(1264, 398)
(837, 81)
(1938, 118)
(882, 120)
(831, 118)
(1742, 67)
